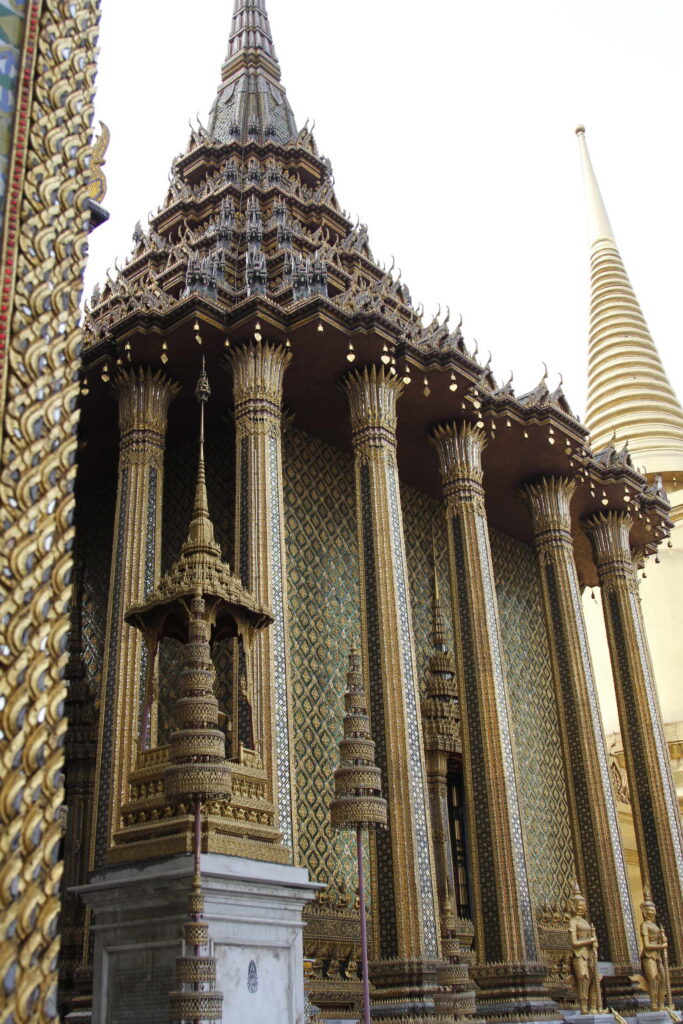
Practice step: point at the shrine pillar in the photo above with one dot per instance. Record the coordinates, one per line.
(508, 971)
(405, 907)
(598, 854)
(260, 560)
(653, 796)
(143, 398)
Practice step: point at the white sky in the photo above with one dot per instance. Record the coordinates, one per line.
(450, 126)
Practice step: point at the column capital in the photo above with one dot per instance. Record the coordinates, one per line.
(609, 536)
(144, 396)
(373, 392)
(459, 447)
(258, 369)
(549, 501)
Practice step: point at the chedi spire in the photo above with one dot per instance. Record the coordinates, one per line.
(251, 104)
(629, 394)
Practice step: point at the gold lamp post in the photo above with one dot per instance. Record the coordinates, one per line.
(358, 802)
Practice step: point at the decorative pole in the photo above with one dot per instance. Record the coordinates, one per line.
(358, 799)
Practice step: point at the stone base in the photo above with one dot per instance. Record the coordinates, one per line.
(514, 992)
(621, 993)
(254, 911)
(404, 990)
(589, 1018)
(654, 1017)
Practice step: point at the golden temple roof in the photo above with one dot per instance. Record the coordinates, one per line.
(629, 394)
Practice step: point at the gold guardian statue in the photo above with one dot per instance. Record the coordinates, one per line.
(654, 956)
(584, 955)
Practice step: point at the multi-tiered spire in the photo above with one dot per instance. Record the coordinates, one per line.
(628, 389)
(251, 100)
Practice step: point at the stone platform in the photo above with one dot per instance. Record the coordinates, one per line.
(254, 910)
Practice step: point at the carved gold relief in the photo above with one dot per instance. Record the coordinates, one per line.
(45, 245)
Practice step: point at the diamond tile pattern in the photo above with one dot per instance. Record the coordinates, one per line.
(423, 519)
(324, 622)
(543, 797)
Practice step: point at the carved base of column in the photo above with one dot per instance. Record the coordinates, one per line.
(404, 991)
(514, 992)
(623, 994)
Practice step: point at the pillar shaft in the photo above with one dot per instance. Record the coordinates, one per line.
(260, 559)
(437, 782)
(597, 848)
(653, 796)
(504, 925)
(144, 398)
(405, 890)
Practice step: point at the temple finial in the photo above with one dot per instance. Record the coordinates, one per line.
(251, 101)
(201, 534)
(629, 393)
(599, 227)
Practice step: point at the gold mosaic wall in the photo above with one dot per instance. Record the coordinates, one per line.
(323, 606)
(541, 777)
(324, 622)
(424, 527)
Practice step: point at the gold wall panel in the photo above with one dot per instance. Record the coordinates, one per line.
(324, 623)
(423, 520)
(542, 791)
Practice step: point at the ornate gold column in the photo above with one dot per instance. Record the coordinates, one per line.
(598, 855)
(653, 797)
(404, 891)
(506, 940)
(260, 559)
(144, 397)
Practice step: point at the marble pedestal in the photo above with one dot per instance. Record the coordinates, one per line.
(254, 913)
(654, 1017)
(589, 1018)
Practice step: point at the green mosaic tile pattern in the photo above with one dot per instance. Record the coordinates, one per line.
(423, 519)
(543, 795)
(324, 622)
